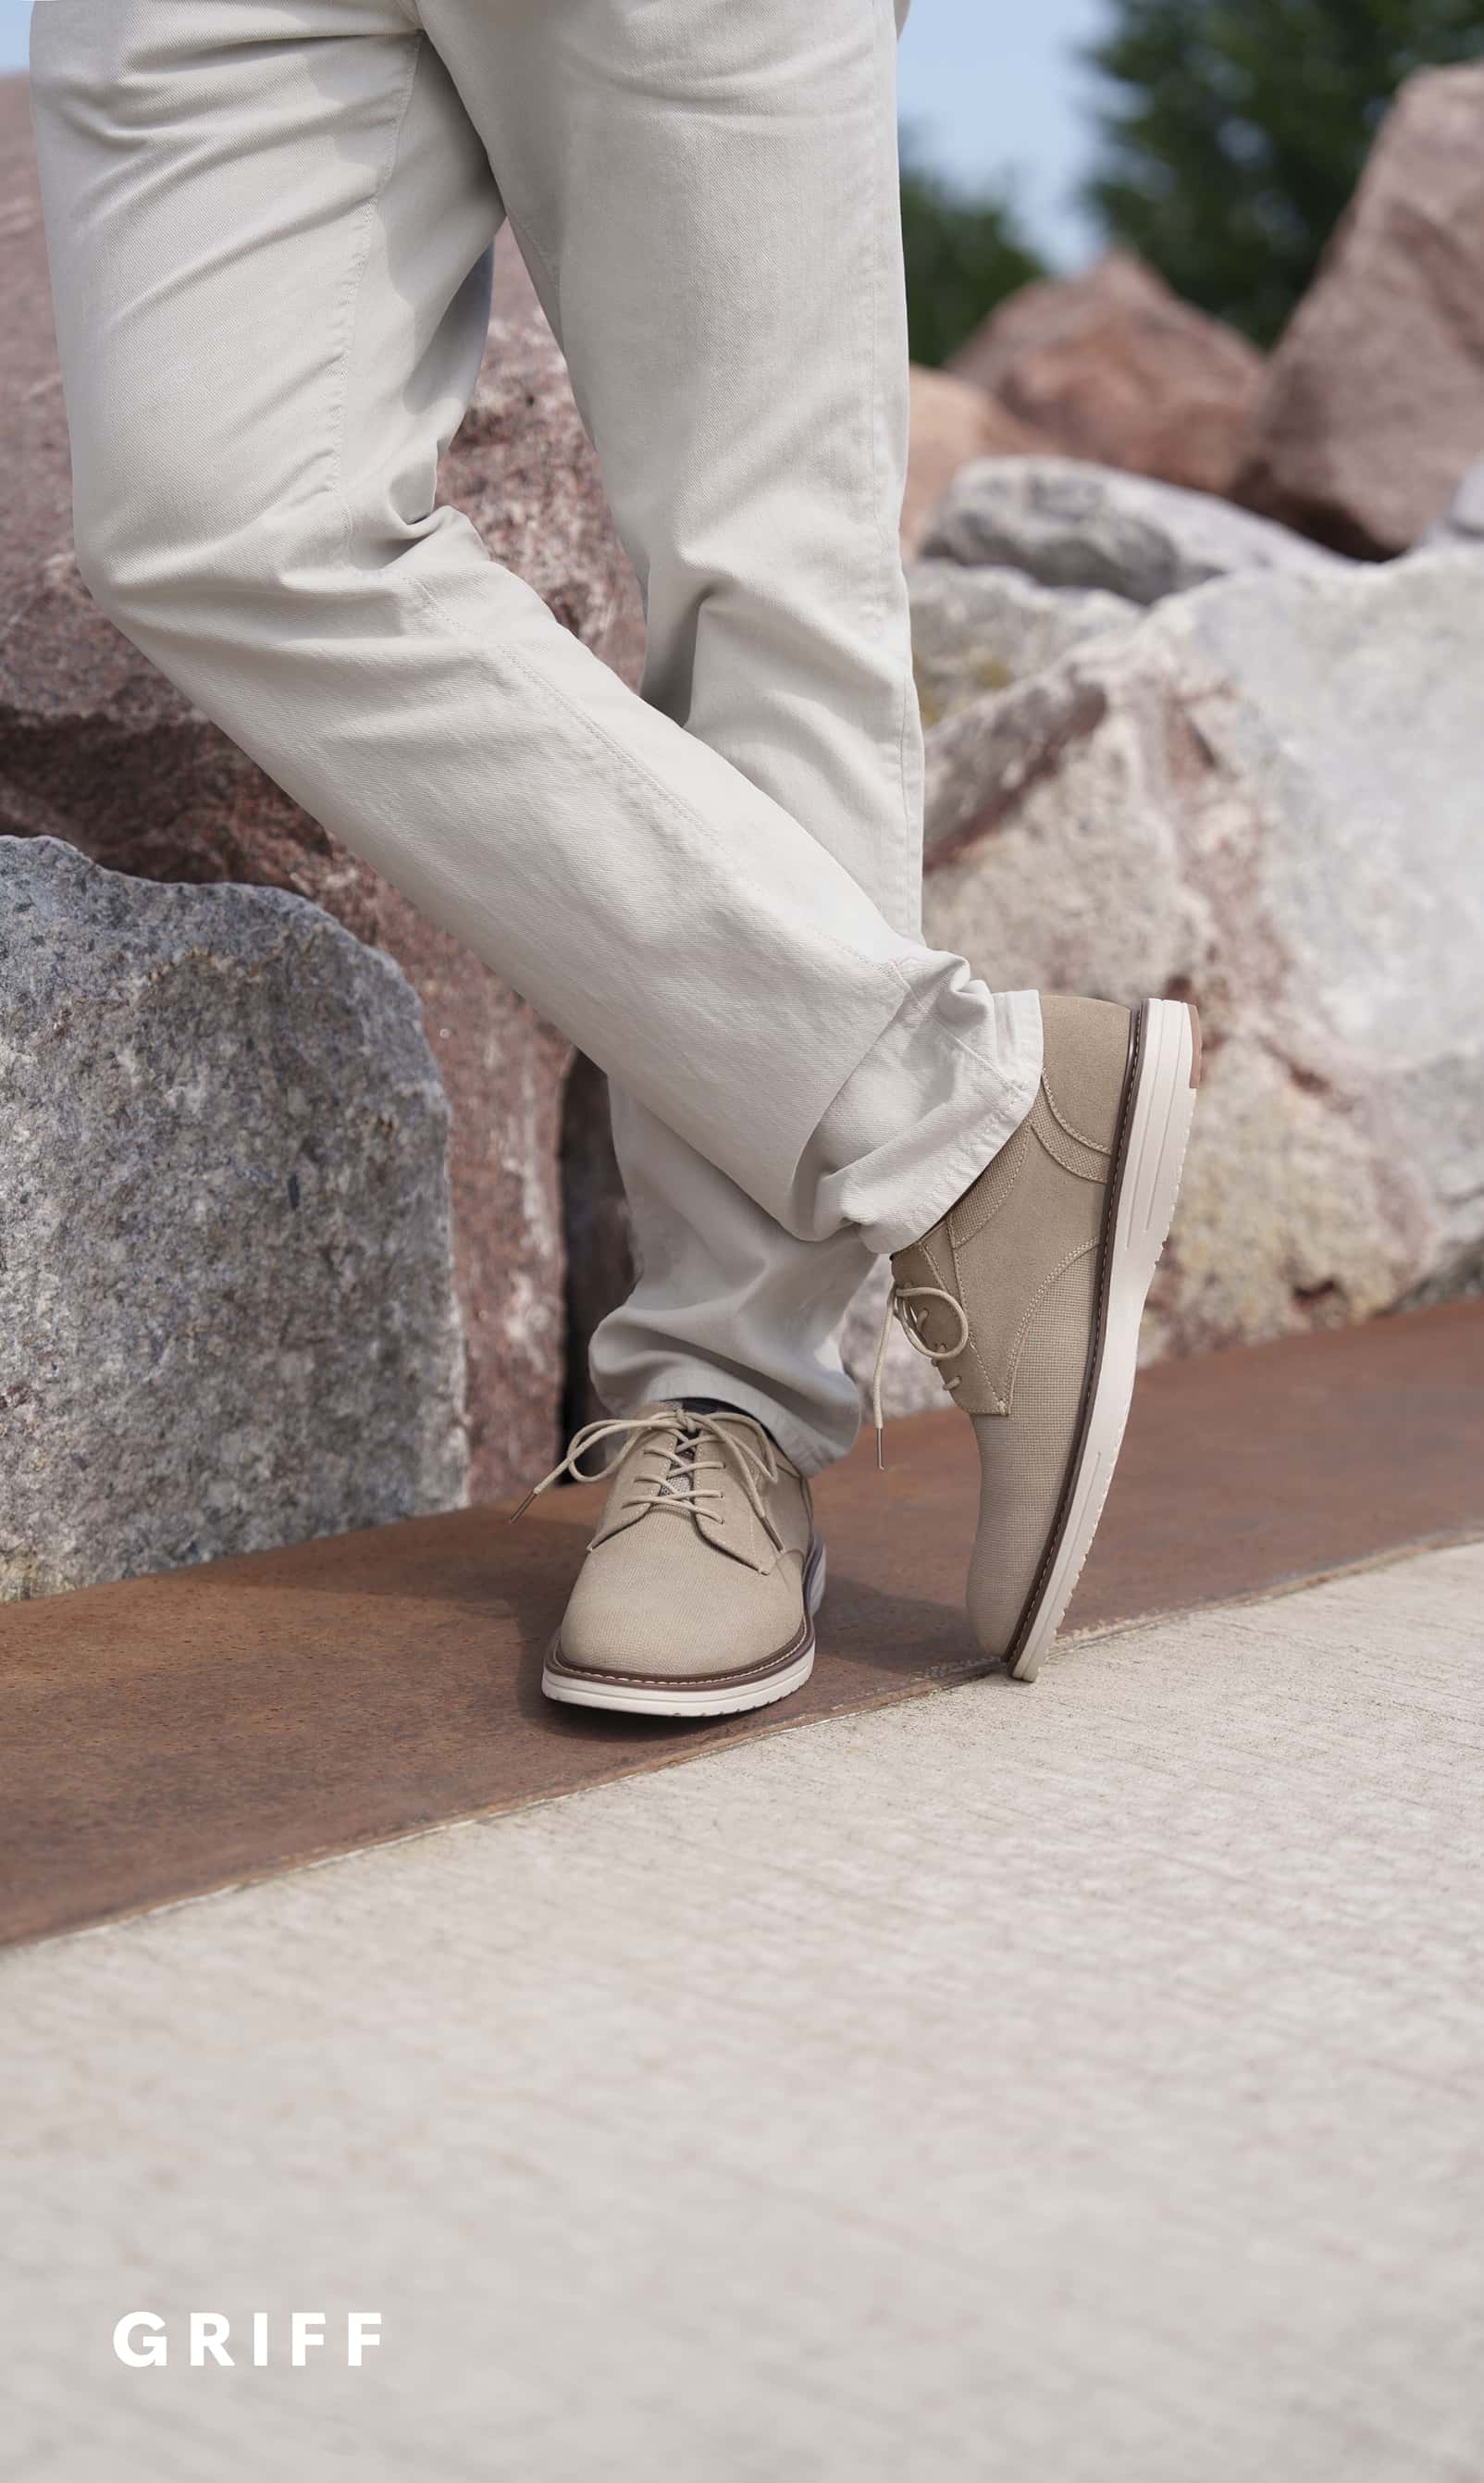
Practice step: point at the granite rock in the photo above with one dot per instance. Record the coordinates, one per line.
(1264, 798)
(1113, 365)
(974, 630)
(952, 422)
(227, 1317)
(1373, 404)
(1069, 524)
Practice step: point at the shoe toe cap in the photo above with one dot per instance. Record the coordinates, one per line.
(643, 1615)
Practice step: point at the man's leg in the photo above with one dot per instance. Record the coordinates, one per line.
(266, 224)
(707, 197)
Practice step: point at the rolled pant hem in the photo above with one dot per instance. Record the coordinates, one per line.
(958, 1167)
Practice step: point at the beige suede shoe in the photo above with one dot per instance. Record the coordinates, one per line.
(699, 1592)
(1028, 1296)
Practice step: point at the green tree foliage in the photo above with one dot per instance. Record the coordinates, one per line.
(1237, 129)
(963, 254)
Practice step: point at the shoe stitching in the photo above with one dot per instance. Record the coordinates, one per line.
(348, 305)
(1022, 1149)
(951, 1282)
(1073, 1132)
(1099, 1173)
(749, 1553)
(1038, 1299)
(1003, 1403)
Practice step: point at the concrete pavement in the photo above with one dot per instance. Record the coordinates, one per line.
(1070, 2082)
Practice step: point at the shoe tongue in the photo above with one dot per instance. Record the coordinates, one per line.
(678, 1482)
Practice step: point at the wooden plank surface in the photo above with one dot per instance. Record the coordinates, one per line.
(175, 1734)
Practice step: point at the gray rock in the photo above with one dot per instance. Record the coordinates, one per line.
(226, 1308)
(953, 421)
(974, 630)
(1462, 522)
(1267, 798)
(1069, 523)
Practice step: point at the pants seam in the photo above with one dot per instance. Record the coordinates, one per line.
(911, 802)
(885, 203)
(349, 304)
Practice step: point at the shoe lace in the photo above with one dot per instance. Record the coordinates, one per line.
(676, 1440)
(901, 1304)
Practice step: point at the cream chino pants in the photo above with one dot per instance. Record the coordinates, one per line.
(269, 224)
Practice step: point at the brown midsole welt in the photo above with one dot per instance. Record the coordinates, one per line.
(556, 1662)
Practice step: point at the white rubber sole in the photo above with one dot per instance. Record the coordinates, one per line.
(656, 1698)
(1148, 1181)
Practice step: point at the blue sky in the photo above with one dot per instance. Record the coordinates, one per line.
(996, 90)
(989, 91)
